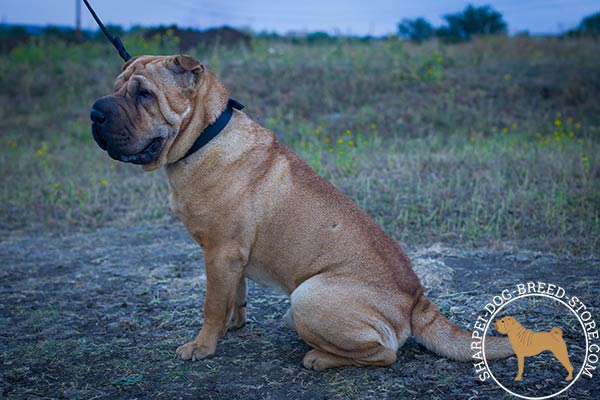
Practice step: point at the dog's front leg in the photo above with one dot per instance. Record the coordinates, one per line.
(223, 280)
(521, 366)
(238, 314)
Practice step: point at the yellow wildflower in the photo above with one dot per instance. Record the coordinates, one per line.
(577, 125)
(42, 150)
(504, 130)
(317, 131)
(557, 122)
(340, 141)
(327, 140)
(103, 182)
(348, 132)
(507, 77)
(514, 126)
(350, 143)
(57, 185)
(330, 150)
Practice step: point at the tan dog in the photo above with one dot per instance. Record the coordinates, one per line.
(527, 343)
(259, 212)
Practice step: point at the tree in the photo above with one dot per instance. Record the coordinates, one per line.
(590, 25)
(417, 29)
(472, 21)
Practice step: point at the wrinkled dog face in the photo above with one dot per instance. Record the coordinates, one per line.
(504, 325)
(152, 99)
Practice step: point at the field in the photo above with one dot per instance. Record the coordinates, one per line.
(484, 143)
(482, 156)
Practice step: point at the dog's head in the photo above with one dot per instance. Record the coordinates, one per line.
(505, 324)
(159, 106)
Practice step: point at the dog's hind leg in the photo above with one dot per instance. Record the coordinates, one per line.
(560, 352)
(319, 360)
(342, 326)
(289, 320)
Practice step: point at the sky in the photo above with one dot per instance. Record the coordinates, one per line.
(356, 17)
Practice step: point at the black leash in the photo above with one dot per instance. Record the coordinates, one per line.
(207, 134)
(116, 41)
(215, 128)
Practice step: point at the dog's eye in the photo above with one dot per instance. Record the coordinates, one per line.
(142, 94)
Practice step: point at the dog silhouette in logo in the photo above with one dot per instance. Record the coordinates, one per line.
(527, 343)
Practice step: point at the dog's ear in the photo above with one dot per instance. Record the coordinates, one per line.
(189, 65)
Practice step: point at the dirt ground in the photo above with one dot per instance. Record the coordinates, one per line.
(99, 315)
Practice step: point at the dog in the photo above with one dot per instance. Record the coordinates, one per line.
(527, 343)
(258, 211)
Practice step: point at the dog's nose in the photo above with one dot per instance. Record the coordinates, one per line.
(97, 117)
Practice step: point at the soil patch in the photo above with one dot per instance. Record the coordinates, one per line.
(99, 315)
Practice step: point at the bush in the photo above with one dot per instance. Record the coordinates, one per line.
(318, 37)
(590, 25)
(418, 29)
(11, 37)
(472, 21)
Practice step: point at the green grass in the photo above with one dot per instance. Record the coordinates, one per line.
(477, 144)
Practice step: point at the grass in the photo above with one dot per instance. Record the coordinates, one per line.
(487, 142)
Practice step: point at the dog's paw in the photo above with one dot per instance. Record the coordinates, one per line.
(518, 378)
(193, 351)
(320, 360)
(312, 361)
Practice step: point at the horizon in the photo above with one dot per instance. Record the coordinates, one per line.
(349, 18)
(33, 30)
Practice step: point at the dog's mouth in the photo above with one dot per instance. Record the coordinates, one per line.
(500, 327)
(147, 155)
(99, 139)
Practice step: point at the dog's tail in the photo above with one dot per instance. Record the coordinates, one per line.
(441, 336)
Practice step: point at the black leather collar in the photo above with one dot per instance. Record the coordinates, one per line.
(215, 128)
